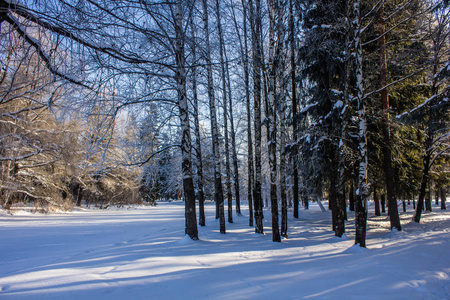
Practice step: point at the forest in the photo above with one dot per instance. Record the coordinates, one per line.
(265, 103)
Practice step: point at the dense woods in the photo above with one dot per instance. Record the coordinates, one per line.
(271, 103)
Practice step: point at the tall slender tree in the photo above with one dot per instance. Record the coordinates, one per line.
(387, 153)
(362, 192)
(255, 24)
(294, 106)
(218, 188)
(225, 112)
(245, 63)
(198, 146)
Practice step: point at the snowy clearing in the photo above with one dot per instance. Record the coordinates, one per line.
(140, 253)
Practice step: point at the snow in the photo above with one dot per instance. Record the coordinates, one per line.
(308, 107)
(417, 107)
(142, 253)
(338, 104)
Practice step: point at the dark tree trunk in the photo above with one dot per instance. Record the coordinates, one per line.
(360, 222)
(341, 208)
(345, 206)
(351, 196)
(280, 103)
(428, 203)
(341, 128)
(423, 184)
(255, 22)
(383, 203)
(436, 196)
(332, 203)
(294, 107)
(249, 126)
(377, 202)
(389, 174)
(271, 114)
(443, 196)
(305, 200)
(404, 205)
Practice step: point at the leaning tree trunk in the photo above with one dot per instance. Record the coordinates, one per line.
(362, 192)
(198, 149)
(225, 113)
(186, 145)
(218, 188)
(387, 154)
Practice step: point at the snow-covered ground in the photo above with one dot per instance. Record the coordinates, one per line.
(140, 253)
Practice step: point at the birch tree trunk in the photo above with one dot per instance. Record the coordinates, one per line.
(233, 142)
(342, 127)
(249, 120)
(186, 145)
(225, 114)
(271, 115)
(218, 188)
(362, 192)
(281, 100)
(244, 58)
(198, 150)
(282, 129)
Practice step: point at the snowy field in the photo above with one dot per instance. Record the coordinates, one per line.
(141, 253)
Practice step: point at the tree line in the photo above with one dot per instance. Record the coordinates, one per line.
(283, 101)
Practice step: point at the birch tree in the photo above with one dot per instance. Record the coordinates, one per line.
(362, 192)
(218, 188)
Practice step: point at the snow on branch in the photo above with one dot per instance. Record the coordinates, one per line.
(308, 107)
(37, 45)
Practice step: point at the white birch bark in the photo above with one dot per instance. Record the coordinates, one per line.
(362, 192)
(186, 144)
(218, 188)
